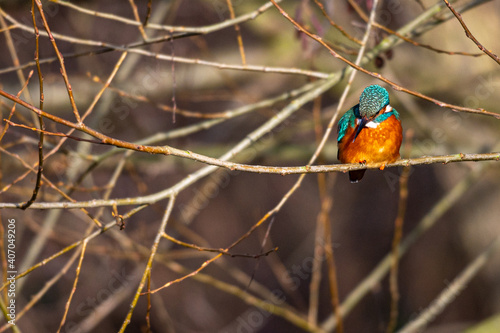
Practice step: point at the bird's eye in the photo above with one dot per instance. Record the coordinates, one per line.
(385, 109)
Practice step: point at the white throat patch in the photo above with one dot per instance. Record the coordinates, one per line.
(370, 124)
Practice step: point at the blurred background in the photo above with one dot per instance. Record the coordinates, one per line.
(459, 202)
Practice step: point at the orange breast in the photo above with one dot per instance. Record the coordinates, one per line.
(380, 144)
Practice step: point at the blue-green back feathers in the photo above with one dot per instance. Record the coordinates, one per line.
(384, 116)
(347, 120)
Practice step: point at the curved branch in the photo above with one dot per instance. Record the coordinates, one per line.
(168, 150)
(444, 159)
(394, 85)
(470, 35)
(171, 28)
(174, 33)
(450, 293)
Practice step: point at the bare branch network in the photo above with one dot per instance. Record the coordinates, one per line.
(167, 150)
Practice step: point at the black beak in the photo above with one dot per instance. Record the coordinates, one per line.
(361, 125)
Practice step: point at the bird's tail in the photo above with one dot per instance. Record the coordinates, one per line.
(356, 175)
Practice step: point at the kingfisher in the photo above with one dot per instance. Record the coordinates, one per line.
(370, 132)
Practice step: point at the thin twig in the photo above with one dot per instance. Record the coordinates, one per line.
(319, 237)
(362, 14)
(398, 233)
(238, 32)
(202, 126)
(186, 32)
(48, 183)
(221, 251)
(68, 248)
(167, 150)
(148, 13)
(48, 133)
(428, 221)
(140, 26)
(60, 58)
(13, 109)
(280, 310)
(149, 265)
(40, 118)
(209, 261)
(262, 245)
(452, 290)
(470, 35)
(78, 269)
(266, 217)
(332, 271)
(335, 25)
(148, 298)
(327, 228)
(12, 48)
(445, 159)
(377, 75)
(105, 86)
(43, 291)
(134, 48)
(201, 30)
(174, 80)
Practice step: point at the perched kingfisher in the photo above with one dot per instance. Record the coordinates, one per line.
(369, 132)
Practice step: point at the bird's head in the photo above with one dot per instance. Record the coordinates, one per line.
(372, 102)
(373, 99)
